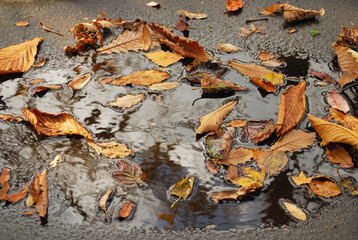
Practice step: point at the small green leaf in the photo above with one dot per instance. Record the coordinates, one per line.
(315, 32)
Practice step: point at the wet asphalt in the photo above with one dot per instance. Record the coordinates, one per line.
(337, 221)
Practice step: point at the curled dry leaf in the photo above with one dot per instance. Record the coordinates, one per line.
(337, 154)
(323, 76)
(55, 161)
(292, 13)
(265, 85)
(265, 56)
(183, 188)
(38, 193)
(163, 86)
(126, 210)
(291, 109)
(110, 149)
(103, 202)
(18, 58)
(324, 186)
(4, 181)
(219, 143)
(210, 84)
(22, 24)
(227, 47)
(301, 179)
(256, 71)
(346, 120)
(236, 123)
(233, 5)
(257, 131)
(348, 61)
(128, 174)
(348, 36)
(19, 195)
(271, 9)
(80, 82)
(295, 211)
(211, 121)
(294, 140)
(337, 101)
(10, 118)
(330, 132)
(271, 161)
(40, 62)
(127, 101)
(196, 15)
(142, 78)
(43, 88)
(51, 124)
(163, 58)
(181, 24)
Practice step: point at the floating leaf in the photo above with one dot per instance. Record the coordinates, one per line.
(265, 85)
(163, 86)
(337, 101)
(196, 15)
(251, 179)
(301, 179)
(37, 80)
(38, 193)
(103, 202)
(346, 120)
(324, 186)
(337, 154)
(210, 84)
(350, 185)
(257, 131)
(271, 161)
(22, 24)
(236, 123)
(272, 9)
(292, 107)
(273, 63)
(295, 211)
(323, 76)
(10, 118)
(19, 195)
(51, 124)
(80, 82)
(230, 194)
(227, 47)
(18, 58)
(127, 101)
(292, 13)
(233, 5)
(237, 156)
(212, 167)
(294, 140)
(162, 58)
(265, 56)
(126, 210)
(183, 188)
(142, 78)
(110, 149)
(4, 181)
(232, 172)
(55, 161)
(40, 62)
(348, 61)
(39, 89)
(211, 121)
(129, 174)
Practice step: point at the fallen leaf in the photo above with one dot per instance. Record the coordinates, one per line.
(126, 210)
(232, 172)
(37, 80)
(292, 13)
(39, 89)
(211, 121)
(233, 5)
(181, 24)
(80, 82)
(47, 29)
(265, 56)
(271, 161)
(210, 84)
(315, 32)
(350, 185)
(348, 36)
(153, 4)
(295, 211)
(227, 47)
(29, 213)
(324, 186)
(3, 191)
(163, 86)
(19, 195)
(301, 179)
(103, 202)
(38, 193)
(18, 58)
(230, 194)
(272, 9)
(127, 101)
(10, 118)
(142, 78)
(106, 80)
(321, 83)
(273, 63)
(265, 85)
(294, 140)
(110, 149)
(292, 31)
(55, 161)
(346, 120)
(348, 61)
(219, 144)
(40, 62)
(212, 167)
(162, 58)
(237, 156)
(197, 68)
(236, 123)
(128, 174)
(291, 109)
(257, 131)
(4, 181)
(22, 24)
(256, 71)
(337, 154)
(183, 189)
(337, 101)
(330, 132)
(323, 76)
(146, 39)
(245, 33)
(51, 124)
(196, 15)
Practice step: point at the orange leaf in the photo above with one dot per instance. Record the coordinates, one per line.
(196, 15)
(211, 121)
(19, 195)
(80, 82)
(29, 213)
(346, 120)
(142, 78)
(324, 186)
(323, 76)
(55, 161)
(22, 24)
(265, 56)
(292, 13)
(146, 40)
(272, 9)
(38, 193)
(337, 101)
(18, 58)
(162, 58)
(45, 88)
(127, 101)
(271, 161)
(294, 140)
(236, 156)
(4, 181)
(110, 149)
(292, 107)
(163, 86)
(103, 202)
(126, 210)
(40, 62)
(10, 118)
(294, 210)
(267, 86)
(348, 60)
(210, 84)
(233, 5)
(51, 124)
(301, 179)
(337, 154)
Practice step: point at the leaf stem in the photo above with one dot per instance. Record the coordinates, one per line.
(256, 19)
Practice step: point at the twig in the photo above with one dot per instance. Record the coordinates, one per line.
(49, 29)
(256, 19)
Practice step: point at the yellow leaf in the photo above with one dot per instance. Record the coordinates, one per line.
(110, 149)
(301, 179)
(18, 58)
(294, 210)
(127, 101)
(143, 78)
(55, 161)
(183, 188)
(162, 58)
(294, 141)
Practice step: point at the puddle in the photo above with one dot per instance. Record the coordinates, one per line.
(162, 134)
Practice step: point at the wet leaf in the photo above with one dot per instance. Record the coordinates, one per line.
(196, 15)
(232, 172)
(233, 5)
(265, 85)
(272, 9)
(237, 156)
(346, 120)
(18, 58)
(212, 167)
(350, 185)
(163, 86)
(273, 63)
(271, 161)
(330, 132)
(37, 80)
(127, 101)
(10, 118)
(257, 131)
(256, 71)
(4, 181)
(103, 202)
(153, 4)
(42, 88)
(40, 62)
(294, 140)
(219, 143)
(51, 124)
(146, 39)
(227, 47)
(236, 123)
(230, 194)
(337, 101)
(337, 154)
(292, 13)
(301, 179)
(295, 211)
(142, 78)
(22, 24)
(183, 188)
(324, 186)
(211, 121)
(126, 210)
(265, 56)
(323, 76)
(166, 217)
(251, 179)
(106, 80)
(29, 213)
(291, 109)
(38, 193)
(321, 83)
(128, 174)
(80, 82)
(245, 32)
(111, 149)
(162, 58)
(348, 61)
(197, 68)
(210, 84)
(55, 161)
(19, 195)
(181, 24)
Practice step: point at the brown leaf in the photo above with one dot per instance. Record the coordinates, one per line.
(126, 210)
(230, 194)
(337, 101)
(273, 63)
(55, 161)
(127, 101)
(39, 89)
(272, 9)
(267, 86)
(181, 45)
(292, 107)
(227, 47)
(211, 121)
(163, 86)
(146, 39)
(337, 154)
(22, 24)
(103, 202)
(51, 124)
(346, 120)
(80, 82)
(19, 195)
(236, 123)
(142, 78)
(196, 15)
(128, 174)
(258, 72)
(295, 211)
(40, 62)
(10, 118)
(237, 156)
(212, 167)
(210, 84)
(294, 140)
(324, 186)
(233, 5)
(196, 69)
(4, 181)
(265, 56)
(38, 193)
(330, 132)
(181, 24)
(348, 61)
(257, 131)
(232, 172)
(323, 76)
(183, 188)
(301, 179)
(292, 13)
(110, 149)
(271, 161)
(18, 58)
(162, 58)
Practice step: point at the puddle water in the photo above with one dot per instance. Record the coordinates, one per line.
(162, 135)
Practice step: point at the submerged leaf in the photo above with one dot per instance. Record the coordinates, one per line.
(337, 154)
(230, 194)
(142, 78)
(162, 58)
(210, 84)
(163, 86)
(127, 101)
(126, 210)
(294, 140)
(110, 149)
(219, 143)
(183, 188)
(128, 174)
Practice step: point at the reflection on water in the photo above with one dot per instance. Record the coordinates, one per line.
(162, 134)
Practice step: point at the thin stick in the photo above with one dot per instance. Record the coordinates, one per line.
(256, 19)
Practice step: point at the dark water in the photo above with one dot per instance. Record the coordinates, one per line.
(162, 134)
